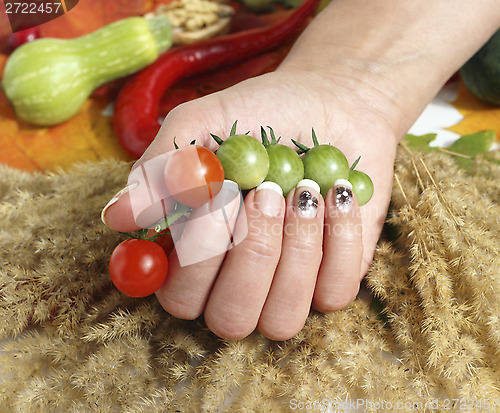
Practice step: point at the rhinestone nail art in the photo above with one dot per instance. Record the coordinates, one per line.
(343, 198)
(307, 204)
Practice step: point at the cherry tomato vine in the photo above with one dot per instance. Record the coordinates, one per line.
(194, 175)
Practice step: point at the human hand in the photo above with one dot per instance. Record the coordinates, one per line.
(287, 261)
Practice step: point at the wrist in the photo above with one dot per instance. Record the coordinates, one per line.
(398, 52)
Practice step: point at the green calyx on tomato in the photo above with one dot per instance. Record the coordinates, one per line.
(362, 184)
(285, 166)
(323, 163)
(244, 159)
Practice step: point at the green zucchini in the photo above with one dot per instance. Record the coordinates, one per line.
(481, 74)
(47, 80)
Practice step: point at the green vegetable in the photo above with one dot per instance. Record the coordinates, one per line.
(285, 165)
(244, 159)
(48, 80)
(323, 164)
(481, 74)
(362, 186)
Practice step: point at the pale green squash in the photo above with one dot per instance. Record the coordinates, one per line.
(47, 80)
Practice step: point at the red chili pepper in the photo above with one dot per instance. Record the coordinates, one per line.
(136, 109)
(14, 40)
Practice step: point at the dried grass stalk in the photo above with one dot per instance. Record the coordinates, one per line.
(73, 343)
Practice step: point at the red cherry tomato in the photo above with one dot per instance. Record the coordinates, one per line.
(17, 39)
(194, 175)
(138, 267)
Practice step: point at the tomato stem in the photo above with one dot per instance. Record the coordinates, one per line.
(180, 211)
(141, 234)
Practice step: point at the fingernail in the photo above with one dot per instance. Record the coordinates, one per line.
(306, 198)
(224, 204)
(310, 184)
(115, 199)
(269, 198)
(343, 195)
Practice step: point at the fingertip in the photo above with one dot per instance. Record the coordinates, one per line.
(117, 214)
(309, 183)
(340, 198)
(337, 299)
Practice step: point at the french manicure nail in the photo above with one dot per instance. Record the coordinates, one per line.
(115, 199)
(343, 195)
(306, 198)
(269, 198)
(225, 204)
(310, 184)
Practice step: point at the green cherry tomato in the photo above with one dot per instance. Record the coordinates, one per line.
(244, 160)
(325, 164)
(362, 186)
(285, 167)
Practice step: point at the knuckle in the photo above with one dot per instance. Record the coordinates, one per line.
(304, 248)
(263, 249)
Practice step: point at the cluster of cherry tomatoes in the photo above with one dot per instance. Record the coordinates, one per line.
(194, 175)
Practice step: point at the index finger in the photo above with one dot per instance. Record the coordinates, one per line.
(144, 201)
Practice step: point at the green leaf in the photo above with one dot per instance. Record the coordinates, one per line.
(355, 163)
(273, 136)
(471, 146)
(175, 144)
(233, 129)
(216, 139)
(463, 150)
(263, 134)
(420, 143)
(301, 147)
(314, 138)
(474, 144)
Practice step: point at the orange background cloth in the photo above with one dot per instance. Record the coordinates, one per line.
(89, 135)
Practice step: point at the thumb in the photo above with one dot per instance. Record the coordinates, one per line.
(145, 200)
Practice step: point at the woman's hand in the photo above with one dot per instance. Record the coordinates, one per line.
(359, 75)
(290, 254)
